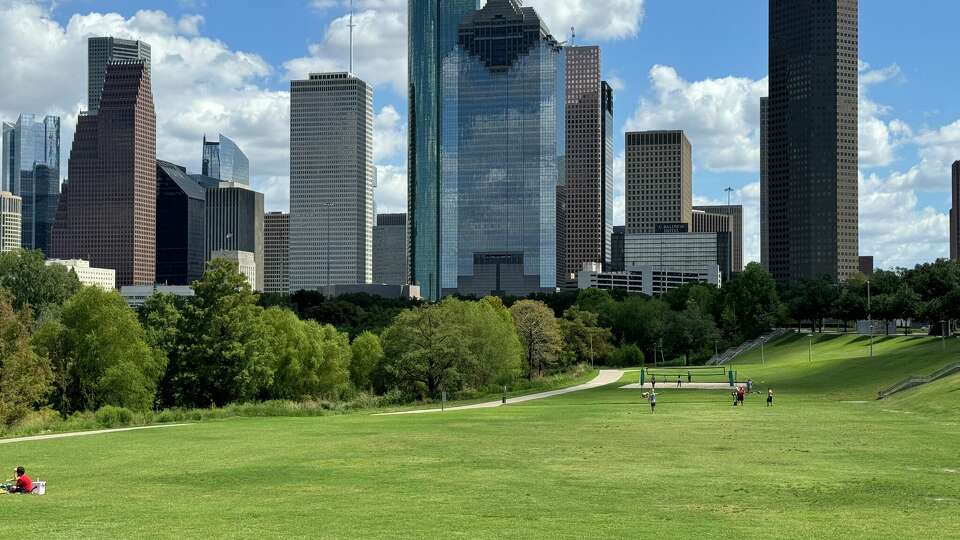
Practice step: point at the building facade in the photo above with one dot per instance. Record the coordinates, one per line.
(107, 211)
(588, 204)
(764, 185)
(616, 249)
(503, 155)
(331, 181)
(246, 264)
(101, 52)
(105, 278)
(699, 253)
(390, 249)
(812, 157)
(659, 180)
(136, 295)
(433, 29)
(866, 265)
(955, 214)
(734, 215)
(276, 253)
(234, 220)
(10, 211)
(181, 226)
(225, 161)
(31, 171)
(646, 280)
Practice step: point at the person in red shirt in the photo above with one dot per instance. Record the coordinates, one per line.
(24, 484)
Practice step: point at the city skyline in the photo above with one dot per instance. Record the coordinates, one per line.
(905, 148)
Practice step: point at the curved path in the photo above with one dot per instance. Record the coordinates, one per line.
(84, 433)
(605, 377)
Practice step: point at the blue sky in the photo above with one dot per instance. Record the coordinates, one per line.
(697, 65)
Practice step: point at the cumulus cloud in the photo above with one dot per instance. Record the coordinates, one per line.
(593, 19)
(390, 136)
(720, 116)
(391, 193)
(879, 138)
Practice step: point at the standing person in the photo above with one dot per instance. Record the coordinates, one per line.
(653, 401)
(679, 382)
(653, 382)
(23, 482)
(741, 393)
(769, 397)
(736, 397)
(689, 377)
(749, 385)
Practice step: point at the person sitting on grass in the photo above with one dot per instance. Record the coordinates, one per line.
(21, 482)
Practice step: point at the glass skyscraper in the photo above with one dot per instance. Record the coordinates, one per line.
(225, 161)
(31, 171)
(502, 154)
(433, 29)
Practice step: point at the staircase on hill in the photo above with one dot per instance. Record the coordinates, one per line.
(918, 380)
(734, 352)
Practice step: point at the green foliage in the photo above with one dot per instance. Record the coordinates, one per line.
(689, 331)
(752, 300)
(584, 339)
(224, 356)
(451, 346)
(352, 313)
(25, 377)
(308, 360)
(99, 354)
(628, 355)
(539, 334)
(161, 318)
(32, 283)
(110, 417)
(367, 355)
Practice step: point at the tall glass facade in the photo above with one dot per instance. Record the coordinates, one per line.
(433, 29)
(502, 157)
(225, 161)
(31, 170)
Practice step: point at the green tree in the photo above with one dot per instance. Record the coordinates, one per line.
(753, 300)
(223, 353)
(640, 321)
(308, 360)
(33, 283)
(539, 334)
(99, 354)
(367, 355)
(628, 355)
(689, 331)
(25, 377)
(584, 339)
(161, 317)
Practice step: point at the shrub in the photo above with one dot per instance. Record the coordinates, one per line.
(628, 355)
(109, 416)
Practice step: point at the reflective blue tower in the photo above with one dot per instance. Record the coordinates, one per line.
(225, 161)
(31, 170)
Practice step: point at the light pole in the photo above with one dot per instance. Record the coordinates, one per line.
(810, 349)
(870, 317)
(763, 357)
(943, 334)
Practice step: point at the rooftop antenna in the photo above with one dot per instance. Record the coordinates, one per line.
(573, 36)
(351, 25)
(729, 191)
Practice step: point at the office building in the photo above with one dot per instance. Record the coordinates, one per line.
(181, 225)
(390, 249)
(107, 211)
(10, 209)
(276, 253)
(659, 180)
(955, 214)
(331, 181)
(502, 156)
(866, 265)
(136, 295)
(812, 158)
(588, 206)
(246, 264)
(101, 52)
(764, 184)
(734, 213)
(698, 253)
(225, 161)
(31, 171)
(434, 26)
(646, 280)
(234, 220)
(105, 278)
(616, 249)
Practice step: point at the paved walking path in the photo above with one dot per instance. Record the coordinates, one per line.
(84, 433)
(667, 385)
(605, 377)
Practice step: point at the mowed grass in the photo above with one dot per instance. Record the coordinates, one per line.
(827, 461)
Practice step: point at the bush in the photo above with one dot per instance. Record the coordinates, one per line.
(628, 355)
(109, 416)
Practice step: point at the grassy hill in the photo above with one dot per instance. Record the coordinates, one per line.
(828, 461)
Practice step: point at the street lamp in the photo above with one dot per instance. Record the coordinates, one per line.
(763, 358)
(870, 317)
(810, 348)
(943, 334)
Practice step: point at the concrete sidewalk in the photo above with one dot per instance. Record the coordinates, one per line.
(84, 433)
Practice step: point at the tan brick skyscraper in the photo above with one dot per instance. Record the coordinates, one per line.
(107, 213)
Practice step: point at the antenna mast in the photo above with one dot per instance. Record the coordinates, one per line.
(573, 36)
(350, 25)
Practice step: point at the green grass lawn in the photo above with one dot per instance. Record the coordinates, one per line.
(828, 461)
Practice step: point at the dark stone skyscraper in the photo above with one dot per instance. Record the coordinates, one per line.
(102, 51)
(812, 139)
(107, 213)
(955, 214)
(589, 184)
(433, 25)
(181, 208)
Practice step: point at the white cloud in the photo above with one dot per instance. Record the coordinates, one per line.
(391, 193)
(390, 135)
(720, 116)
(593, 19)
(879, 138)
